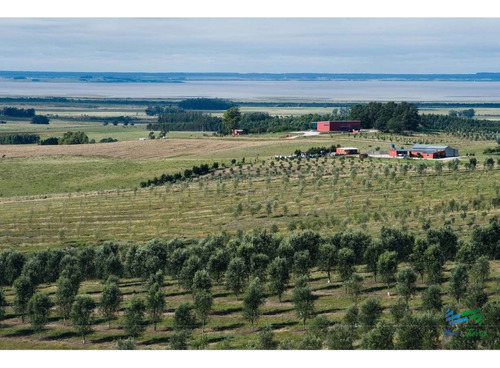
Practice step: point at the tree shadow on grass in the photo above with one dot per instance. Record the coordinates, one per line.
(20, 333)
(375, 288)
(93, 292)
(228, 327)
(61, 335)
(328, 287)
(178, 293)
(212, 340)
(279, 325)
(55, 318)
(277, 311)
(222, 294)
(227, 311)
(330, 310)
(129, 284)
(157, 340)
(106, 339)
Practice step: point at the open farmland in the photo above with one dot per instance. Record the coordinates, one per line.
(79, 197)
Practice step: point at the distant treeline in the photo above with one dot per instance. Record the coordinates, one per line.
(19, 139)
(18, 113)
(186, 121)
(254, 122)
(159, 110)
(206, 104)
(388, 117)
(191, 104)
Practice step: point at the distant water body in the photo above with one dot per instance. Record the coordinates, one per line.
(372, 90)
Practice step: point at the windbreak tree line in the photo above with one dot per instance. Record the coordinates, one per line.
(19, 139)
(195, 171)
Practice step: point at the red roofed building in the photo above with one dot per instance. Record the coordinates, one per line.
(338, 126)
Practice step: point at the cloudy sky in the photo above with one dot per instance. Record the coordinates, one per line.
(331, 45)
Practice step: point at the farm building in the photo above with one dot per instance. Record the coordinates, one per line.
(347, 151)
(449, 151)
(424, 151)
(338, 126)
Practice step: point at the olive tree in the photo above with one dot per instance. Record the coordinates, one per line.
(381, 337)
(252, 300)
(387, 266)
(203, 301)
(24, 289)
(67, 288)
(155, 304)
(431, 298)
(111, 298)
(406, 283)
(303, 300)
(458, 282)
(38, 312)
(184, 318)
(279, 276)
(236, 276)
(370, 312)
(134, 324)
(82, 315)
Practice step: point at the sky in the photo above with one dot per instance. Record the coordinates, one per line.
(262, 45)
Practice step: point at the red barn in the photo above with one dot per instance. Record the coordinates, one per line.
(347, 151)
(338, 126)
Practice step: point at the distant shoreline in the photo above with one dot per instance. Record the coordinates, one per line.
(334, 91)
(179, 77)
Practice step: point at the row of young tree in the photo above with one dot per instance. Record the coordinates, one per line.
(195, 171)
(253, 264)
(300, 251)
